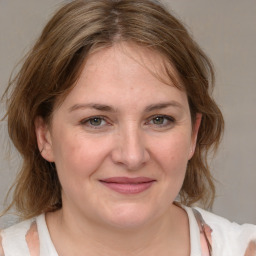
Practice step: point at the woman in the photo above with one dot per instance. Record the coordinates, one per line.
(113, 116)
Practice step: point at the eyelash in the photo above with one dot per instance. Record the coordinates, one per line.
(169, 119)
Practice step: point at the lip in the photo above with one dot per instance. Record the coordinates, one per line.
(127, 185)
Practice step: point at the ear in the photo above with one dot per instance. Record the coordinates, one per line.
(44, 140)
(195, 130)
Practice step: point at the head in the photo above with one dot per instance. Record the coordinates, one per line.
(53, 68)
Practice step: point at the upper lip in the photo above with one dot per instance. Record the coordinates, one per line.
(127, 180)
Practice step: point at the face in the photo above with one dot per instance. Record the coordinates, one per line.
(121, 139)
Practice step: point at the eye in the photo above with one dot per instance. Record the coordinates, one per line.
(94, 122)
(161, 121)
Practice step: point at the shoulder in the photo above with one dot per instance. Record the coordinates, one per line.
(19, 239)
(230, 237)
(223, 225)
(18, 229)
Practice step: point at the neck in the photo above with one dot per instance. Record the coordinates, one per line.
(159, 237)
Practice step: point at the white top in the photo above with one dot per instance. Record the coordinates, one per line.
(225, 238)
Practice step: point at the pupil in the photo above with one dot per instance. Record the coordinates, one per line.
(95, 121)
(158, 120)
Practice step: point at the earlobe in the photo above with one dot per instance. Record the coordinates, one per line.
(43, 137)
(195, 130)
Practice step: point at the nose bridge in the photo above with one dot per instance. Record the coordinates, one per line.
(130, 149)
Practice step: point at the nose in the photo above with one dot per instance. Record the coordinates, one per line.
(130, 150)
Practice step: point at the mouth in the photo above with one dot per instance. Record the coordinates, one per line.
(126, 185)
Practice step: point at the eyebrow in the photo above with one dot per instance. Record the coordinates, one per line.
(163, 105)
(100, 107)
(109, 108)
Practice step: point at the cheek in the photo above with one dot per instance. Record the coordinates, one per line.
(78, 155)
(172, 153)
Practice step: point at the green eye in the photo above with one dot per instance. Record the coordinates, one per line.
(159, 120)
(95, 121)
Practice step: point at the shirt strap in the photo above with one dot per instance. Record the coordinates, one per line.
(205, 234)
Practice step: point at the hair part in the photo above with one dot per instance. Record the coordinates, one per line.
(54, 64)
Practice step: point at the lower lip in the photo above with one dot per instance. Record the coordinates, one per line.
(134, 188)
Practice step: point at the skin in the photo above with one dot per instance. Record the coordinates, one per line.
(128, 138)
(1, 248)
(251, 249)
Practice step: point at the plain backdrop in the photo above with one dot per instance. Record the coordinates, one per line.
(226, 30)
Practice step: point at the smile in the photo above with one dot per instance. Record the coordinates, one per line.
(125, 185)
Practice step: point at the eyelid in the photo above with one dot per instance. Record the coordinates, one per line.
(171, 118)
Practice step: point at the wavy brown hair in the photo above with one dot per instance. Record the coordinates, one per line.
(53, 65)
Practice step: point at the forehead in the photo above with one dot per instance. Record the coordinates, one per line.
(148, 58)
(125, 72)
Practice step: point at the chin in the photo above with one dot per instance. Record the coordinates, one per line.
(129, 217)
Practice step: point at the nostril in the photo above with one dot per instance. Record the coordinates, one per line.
(130, 150)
